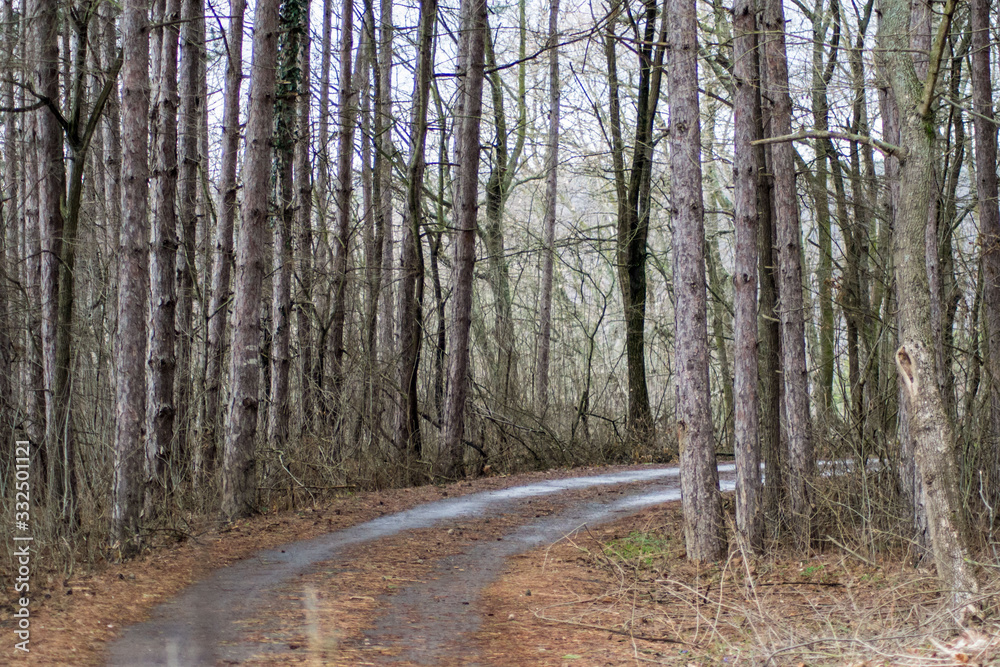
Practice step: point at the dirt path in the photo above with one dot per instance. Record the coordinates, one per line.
(256, 606)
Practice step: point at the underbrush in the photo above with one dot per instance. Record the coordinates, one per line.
(854, 599)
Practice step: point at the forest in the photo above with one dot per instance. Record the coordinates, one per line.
(256, 256)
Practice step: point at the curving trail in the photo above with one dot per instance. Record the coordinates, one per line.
(205, 625)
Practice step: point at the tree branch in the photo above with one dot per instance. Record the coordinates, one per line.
(935, 64)
(885, 147)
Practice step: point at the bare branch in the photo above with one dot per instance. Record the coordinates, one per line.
(885, 147)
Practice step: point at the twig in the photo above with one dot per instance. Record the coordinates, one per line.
(614, 631)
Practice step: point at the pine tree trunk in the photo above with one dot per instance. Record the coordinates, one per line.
(304, 207)
(239, 457)
(345, 177)
(222, 262)
(411, 291)
(191, 109)
(471, 75)
(703, 527)
(549, 221)
(56, 290)
(160, 408)
(989, 216)
(279, 412)
(789, 247)
(746, 129)
(133, 282)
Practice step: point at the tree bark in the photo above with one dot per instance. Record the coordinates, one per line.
(928, 421)
(471, 75)
(703, 527)
(795, 380)
(192, 105)
(133, 282)
(989, 216)
(288, 91)
(56, 285)
(223, 258)
(304, 223)
(239, 463)
(746, 129)
(549, 221)
(160, 408)
(345, 176)
(411, 292)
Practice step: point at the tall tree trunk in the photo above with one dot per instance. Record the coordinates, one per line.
(795, 379)
(191, 111)
(411, 291)
(239, 462)
(549, 221)
(822, 73)
(133, 282)
(746, 129)
(56, 291)
(989, 216)
(633, 218)
(471, 74)
(289, 89)
(160, 409)
(9, 245)
(699, 476)
(304, 207)
(223, 259)
(345, 176)
(929, 423)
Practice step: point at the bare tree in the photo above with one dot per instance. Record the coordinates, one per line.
(549, 222)
(746, 129)
(342, 243)
(239, 463)
(471, 75)
(411, 291)
(133, 282)
(192, 109)
(929, 423)
(160, 409)
(289, 88)
(703, 527)
(989, 213)
(789, 246)
(222, 262)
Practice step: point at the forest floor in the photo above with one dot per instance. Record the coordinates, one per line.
(481, 589)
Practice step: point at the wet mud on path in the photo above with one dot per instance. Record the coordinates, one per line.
(424, 622)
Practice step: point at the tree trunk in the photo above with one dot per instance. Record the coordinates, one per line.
(191, 110)
(345, 176)
(549, 221)
(223, 259)
(133, 282)
(160, 409)
(633, 223)
(703, 527)
(746, 128)
(287, 94)
(928, 421)
(239, 463)
(303, 180)
(56, 276)
(795, 379)
(471, 74)
(989, 216)
(411, 291)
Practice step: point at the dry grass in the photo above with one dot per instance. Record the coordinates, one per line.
(629, 585)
